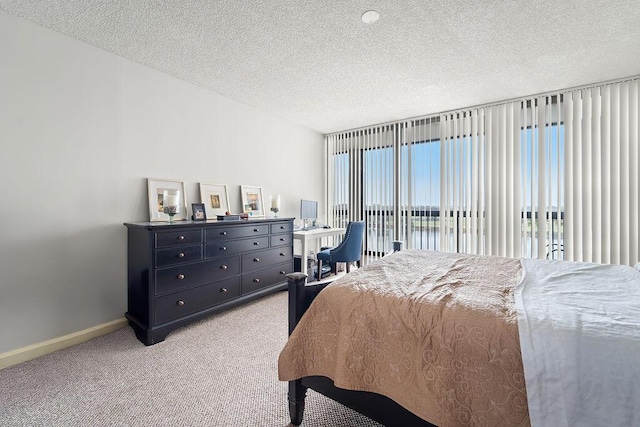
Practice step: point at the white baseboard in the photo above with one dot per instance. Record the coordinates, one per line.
(23, 354)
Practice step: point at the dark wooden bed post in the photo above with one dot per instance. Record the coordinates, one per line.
(296, 282)
(297, 307)
(297, 393)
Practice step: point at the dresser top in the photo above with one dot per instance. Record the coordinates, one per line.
(208, 223)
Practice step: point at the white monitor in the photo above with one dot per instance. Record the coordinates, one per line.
(308, 210)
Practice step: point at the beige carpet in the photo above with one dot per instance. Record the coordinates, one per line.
(221, 371)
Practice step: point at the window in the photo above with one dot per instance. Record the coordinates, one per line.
(553, 176)
(409, 185)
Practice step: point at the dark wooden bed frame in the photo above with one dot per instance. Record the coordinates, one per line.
(373, 405)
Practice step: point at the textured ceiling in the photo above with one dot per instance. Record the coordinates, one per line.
(317, 64)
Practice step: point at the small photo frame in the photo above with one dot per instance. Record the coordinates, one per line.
(252, 201)
(199, 212)
(157, 189)
(215, 198)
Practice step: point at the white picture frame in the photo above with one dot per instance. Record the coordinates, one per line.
(252, 201)
(155, 191)
(215, 198)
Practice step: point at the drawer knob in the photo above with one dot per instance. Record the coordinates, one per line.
(256, 243)
(180, 237)
(181, 255)
(283, 272)
(256, 260)
(282, 239)
(223, 267)
(256, 229)
(223, 233)
(180, 303)
(224, 290)
(180, 276)
(282, 227)
(281, 254)
(223, 248)
(256, 280)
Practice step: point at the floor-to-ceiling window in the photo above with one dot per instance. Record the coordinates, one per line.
(554, 201)
(378, 198)
(419, 183)
(494, 179)
(434, 182)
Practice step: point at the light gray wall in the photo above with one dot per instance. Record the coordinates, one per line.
(80, 132)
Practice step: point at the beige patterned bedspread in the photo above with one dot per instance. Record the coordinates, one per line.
(435, 332)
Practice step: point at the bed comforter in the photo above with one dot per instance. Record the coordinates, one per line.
(435, 332)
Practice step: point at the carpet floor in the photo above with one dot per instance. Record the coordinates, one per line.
(221, 371)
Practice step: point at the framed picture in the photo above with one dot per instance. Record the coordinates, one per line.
(252, 201)
(215, 198)
(160, 190)
(199, 213)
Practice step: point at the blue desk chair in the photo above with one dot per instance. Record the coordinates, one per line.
(350, 250)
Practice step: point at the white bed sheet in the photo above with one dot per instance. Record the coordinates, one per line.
(579, 327)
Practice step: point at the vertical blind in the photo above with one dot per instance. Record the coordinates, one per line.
(551, 176)
(418, 183)
(500, 172)
(360, 183)
(602, 182)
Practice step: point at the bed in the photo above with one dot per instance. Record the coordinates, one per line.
(423, 338)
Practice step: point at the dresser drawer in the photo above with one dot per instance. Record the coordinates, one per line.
(257, 280)
(188, 275)
(282, 227)
(263, 259)
(178, 254)
(183, 303)
(281, 239)
(178, 238)
(231, 247)
(235, 232)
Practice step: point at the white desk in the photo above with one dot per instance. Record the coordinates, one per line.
(307, 236)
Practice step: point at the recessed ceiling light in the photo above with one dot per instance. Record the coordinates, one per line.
(370, 16)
